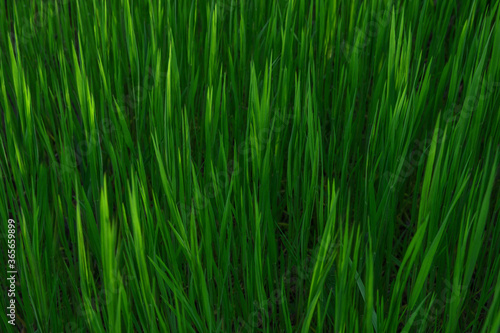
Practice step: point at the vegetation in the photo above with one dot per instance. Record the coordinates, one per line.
(251, 166)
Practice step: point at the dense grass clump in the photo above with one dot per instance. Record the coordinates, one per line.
(251, 166)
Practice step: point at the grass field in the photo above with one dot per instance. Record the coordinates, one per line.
(250, 166)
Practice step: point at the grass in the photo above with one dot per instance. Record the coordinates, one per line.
(251, 166)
